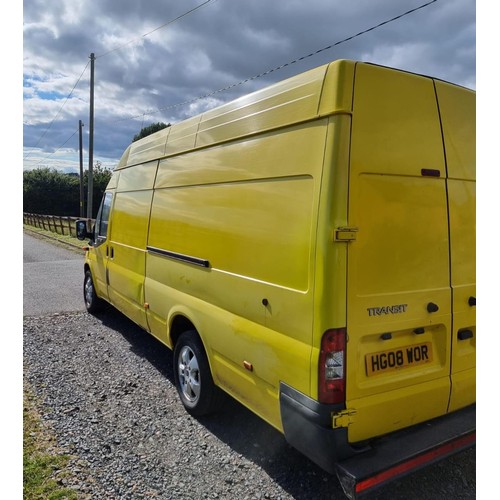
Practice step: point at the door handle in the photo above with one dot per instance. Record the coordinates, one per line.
(112, 252)
(472, 301)
(465, 334)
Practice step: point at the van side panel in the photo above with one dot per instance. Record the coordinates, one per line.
(233, 226)
(246, 209)
(458, 109)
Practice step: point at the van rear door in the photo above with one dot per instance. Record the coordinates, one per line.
(399, 299)
(457, 107)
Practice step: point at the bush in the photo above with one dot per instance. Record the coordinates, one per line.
(47, 191)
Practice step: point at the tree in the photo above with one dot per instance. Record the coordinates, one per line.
(150, 129)
(100, 179)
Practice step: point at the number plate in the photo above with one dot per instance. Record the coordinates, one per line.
(396, 359)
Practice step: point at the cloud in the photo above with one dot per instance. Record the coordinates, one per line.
(144, 79)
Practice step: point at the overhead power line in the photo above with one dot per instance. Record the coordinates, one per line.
(55, 151)
(156, 29)
(210, 94)
(277, 68)
(109, 52)
(57, 114)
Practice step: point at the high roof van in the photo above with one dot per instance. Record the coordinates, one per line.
(309, 249)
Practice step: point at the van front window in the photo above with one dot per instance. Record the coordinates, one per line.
(101, 225)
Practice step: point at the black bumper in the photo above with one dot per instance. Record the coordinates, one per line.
(307, 426)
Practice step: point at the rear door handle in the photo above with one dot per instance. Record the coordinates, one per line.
(465, 334)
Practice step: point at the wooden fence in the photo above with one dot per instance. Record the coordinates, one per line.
(59, 224)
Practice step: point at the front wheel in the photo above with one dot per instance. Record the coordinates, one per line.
(193, 378)
(92, 302)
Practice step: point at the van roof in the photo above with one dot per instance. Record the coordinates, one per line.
(321, 91)
(296, 99)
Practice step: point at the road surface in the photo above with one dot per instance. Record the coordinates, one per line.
(52, 278)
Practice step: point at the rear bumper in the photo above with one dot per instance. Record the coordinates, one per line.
(307, 426)
(407, 451)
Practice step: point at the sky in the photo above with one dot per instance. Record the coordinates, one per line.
(165, 60)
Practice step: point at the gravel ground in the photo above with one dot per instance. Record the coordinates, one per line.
(105, 388)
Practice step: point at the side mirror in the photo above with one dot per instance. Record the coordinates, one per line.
(81, 230)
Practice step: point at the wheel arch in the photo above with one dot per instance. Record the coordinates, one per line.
(179, 324)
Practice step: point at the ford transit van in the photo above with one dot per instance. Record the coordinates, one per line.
(309, 249)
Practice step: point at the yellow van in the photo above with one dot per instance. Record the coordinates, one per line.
(309, 249)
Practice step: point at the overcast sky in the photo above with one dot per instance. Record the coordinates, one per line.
(152, 56)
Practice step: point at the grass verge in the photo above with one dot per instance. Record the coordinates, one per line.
(64, 239)
(43, 467)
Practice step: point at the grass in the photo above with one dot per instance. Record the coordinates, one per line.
(43, 467)
(66, 239)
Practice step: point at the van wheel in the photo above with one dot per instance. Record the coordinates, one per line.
(193, 378)
(92, 302)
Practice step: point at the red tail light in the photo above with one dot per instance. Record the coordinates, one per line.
(331, 387)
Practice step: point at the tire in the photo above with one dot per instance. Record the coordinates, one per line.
(92, 302)
(193, 379)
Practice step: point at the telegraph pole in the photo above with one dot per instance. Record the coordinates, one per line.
(91, 139)
(82, 211)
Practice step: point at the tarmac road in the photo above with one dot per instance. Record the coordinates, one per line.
(52, 278)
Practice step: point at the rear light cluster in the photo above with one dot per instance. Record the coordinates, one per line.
(332, 367)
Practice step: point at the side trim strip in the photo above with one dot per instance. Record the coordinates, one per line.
(179, 256)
